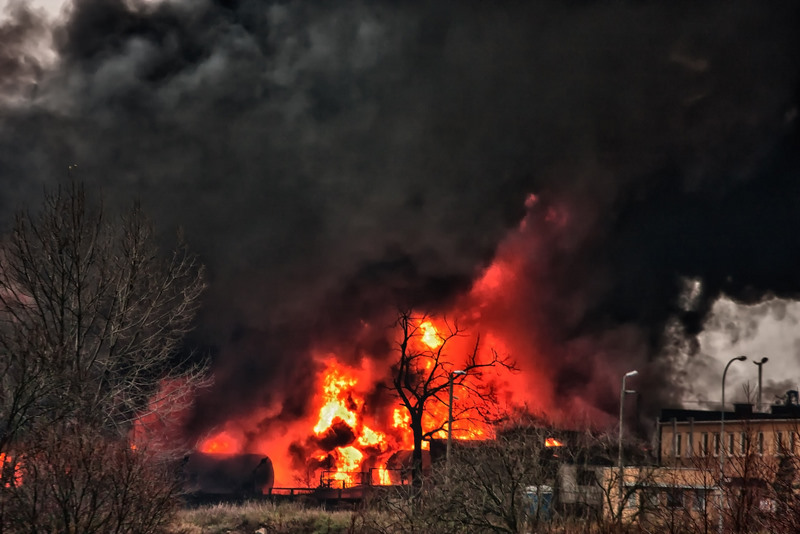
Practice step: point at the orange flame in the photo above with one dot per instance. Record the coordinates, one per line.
(552, 442)
(335, 390)
(384, 479)
(371, 437)
(341, 401)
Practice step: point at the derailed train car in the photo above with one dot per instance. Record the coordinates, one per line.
(228, 477)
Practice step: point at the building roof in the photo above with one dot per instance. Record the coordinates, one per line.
(742, 412)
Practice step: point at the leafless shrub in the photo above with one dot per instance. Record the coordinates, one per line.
(74, 479)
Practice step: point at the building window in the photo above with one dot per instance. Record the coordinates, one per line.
(586, 476)
(677, 445)
(731, 440)
(716, 443)
(743, 443)
(704, 444)
(780, 446)
(700, 500)
(761, 443)
(632, 501)
(792, 435)
(650, 500)
(675, 498)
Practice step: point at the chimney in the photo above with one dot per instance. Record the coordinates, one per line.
(791, 397)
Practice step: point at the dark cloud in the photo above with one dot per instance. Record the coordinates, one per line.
(326, 159)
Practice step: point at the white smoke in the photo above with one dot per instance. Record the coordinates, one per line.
(766, 329)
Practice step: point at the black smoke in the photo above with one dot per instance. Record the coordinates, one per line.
(330, 161)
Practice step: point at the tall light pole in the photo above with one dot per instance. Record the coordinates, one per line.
(450, 418)
(622, 393)
(722, 436)
(760, 363)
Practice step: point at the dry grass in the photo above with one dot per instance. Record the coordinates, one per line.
(273, 518)
(294, 518)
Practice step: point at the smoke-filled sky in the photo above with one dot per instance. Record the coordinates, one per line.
(332, 160)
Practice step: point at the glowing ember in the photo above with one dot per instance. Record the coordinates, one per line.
(552, 442)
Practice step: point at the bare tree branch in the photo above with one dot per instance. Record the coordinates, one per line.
(422, 373)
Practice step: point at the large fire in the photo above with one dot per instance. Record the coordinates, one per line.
(354, 435)
(348, 443)
(341, 404)
(341, 421)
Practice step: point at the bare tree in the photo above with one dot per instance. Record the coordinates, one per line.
(490, 486)
(598, 490)
(499, 485)
(91, 316)
(782, 511)
(422, 374)
(756, 494)
(91, 321)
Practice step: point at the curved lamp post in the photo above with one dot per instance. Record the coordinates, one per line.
(722, 436)
(760, 363)
(622, 393)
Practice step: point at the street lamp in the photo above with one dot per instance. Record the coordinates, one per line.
(722, 436)
(622, 393)
(450, 417)
(759, 363)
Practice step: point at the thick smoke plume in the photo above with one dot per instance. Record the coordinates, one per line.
(331, 161)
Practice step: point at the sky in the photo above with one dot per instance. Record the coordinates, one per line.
(52, 7)
(326, 160)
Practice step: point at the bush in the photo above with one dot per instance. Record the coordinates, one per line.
(73, 479)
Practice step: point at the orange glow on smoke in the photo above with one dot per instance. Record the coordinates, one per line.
(221, 443)
(552, 442)
(159, 426)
